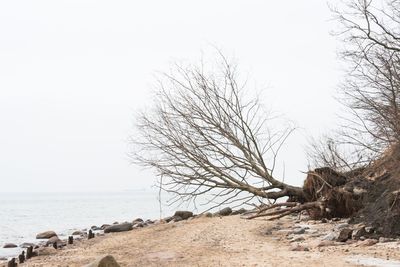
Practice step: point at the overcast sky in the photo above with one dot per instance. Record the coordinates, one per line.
(73, 74)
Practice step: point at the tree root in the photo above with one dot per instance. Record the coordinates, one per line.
(291, 207)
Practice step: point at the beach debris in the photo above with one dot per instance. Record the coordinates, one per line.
(104, 261)
(12, 263)
(46, 235)
(119, 228)
(10, 245)
(345, 234)
(21, 257)
(225, 212)
(183, 214)
(91, 234)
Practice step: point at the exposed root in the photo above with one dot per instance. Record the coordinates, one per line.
(291, 207)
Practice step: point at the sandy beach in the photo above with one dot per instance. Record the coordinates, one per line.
(224, 241)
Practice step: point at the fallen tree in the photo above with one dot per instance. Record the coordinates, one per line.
(207, 135)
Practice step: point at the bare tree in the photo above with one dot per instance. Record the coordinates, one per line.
(371, 38)
(206, 135)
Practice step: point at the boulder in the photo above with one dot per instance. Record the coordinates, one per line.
(341, 226)
(119, 228)
(330, 237)
(9, 245)
(137, 220)
(344, 234)
(104, 226)
(46, 235)
(225, 211)
(53, 240)
(95, 228)
(105, 261)
(183, 214)
(78, 233)
(358, 233)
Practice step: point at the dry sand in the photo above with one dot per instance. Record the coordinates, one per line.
(217, 241)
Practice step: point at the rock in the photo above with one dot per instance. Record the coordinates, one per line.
(149, 221)
(46, 235)
(239, 211)
(115, 222)
(3, 259)
(95, 228)
(358, 233)
(299, 231)
(78, 233)
(330, 237)
(323, 220)
(225, 211)
(44, 251)
(299, 248)
(367, 243)
(9, 245)
(26, 245)
(137, 220)
(370, 229)
(104, 226)
(105, 261)
(119, 228)
(183, 214)
(53, 240)
(139, 225)
(297, 239)
(344, 234)
(341, 226)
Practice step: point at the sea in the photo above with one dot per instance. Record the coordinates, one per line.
(23, 215)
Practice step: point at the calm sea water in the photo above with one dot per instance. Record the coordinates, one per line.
(23, 215)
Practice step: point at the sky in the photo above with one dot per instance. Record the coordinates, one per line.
(74, 73)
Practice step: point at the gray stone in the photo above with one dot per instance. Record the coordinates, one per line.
(341, 226)
(225, 211)
(344, 234)
(183, 214)
(46, 235)
(104, 226)
(78, 233)
(239, 211)
(119, 228)
(105, 261)
(9, 245)
(359, 232)
(53, 240)
(299, 231)
(385, 239)
(330, 237)
(137, 220)
(297, 239)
